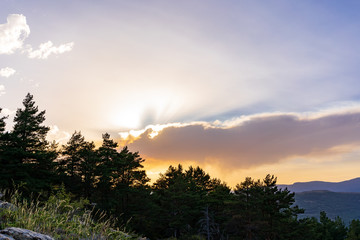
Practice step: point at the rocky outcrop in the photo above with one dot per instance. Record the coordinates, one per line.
(6, 205)
(14, 233)
(5, 237)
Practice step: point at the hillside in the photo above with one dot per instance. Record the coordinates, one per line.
(344, 205)
(352, 185)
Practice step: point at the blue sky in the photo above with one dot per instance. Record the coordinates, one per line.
(120, 66)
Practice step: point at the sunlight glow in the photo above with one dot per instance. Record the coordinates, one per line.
(127, 118)
(152, 132)
(160, 103)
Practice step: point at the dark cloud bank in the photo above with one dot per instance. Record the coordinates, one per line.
(258, 141)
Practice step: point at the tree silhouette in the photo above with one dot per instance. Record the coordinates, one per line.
(77, 165)
(29, 157)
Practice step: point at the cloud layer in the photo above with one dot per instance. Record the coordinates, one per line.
(256, 141)
(13, 33)
(7, 72)
(12, 36)
(48, 48)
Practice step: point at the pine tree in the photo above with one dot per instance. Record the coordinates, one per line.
(106, 155)
(246, 212)
(30, 156)
(263, 211)
(120, 178)
(77, 165)
(182, 197)
(28, 128)
(354, 230)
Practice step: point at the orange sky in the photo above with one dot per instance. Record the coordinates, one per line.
(318, 146)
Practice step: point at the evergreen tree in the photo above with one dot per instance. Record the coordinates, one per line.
(277, 209)
(331, 229)
(29, 157)
(106, 155)
(354, 230)
(246, 212)
(77, 165)
(183, 198)
(263, 211)
(308, 228)
(129, 181)
(120, 178)
(176, 202)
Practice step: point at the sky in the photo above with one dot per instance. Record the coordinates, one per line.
(240, 88)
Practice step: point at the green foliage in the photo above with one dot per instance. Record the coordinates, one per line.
(182, 197)
(77, 165)
(60, 218)
(354, 230)
(332, 229)
(111, 178)
(261, 210)
(27, 157)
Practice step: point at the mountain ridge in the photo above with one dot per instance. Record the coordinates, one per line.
(352, 185)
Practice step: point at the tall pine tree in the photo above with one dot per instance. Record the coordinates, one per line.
(32, 156)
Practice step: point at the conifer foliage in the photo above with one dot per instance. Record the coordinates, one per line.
(28, 158)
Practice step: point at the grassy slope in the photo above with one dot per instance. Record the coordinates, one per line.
(60, 218)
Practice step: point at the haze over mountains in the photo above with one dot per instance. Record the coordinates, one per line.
(352, 185)
(342, 204)
(335, 198)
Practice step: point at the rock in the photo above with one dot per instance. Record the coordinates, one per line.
(24, 234)
(5, 237)
(6, 205)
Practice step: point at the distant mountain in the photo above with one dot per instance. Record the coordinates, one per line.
(352, 185)
(344, 205)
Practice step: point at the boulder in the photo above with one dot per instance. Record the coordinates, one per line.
(5, 237)
(6, 205)
(24, 234)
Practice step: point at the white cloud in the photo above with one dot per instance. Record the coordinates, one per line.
(13, 33)
(47, 48)
(7, 72)
(55, 134)
(7, 112)
(2, 90)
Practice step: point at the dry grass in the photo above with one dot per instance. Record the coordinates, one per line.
(60, 218)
